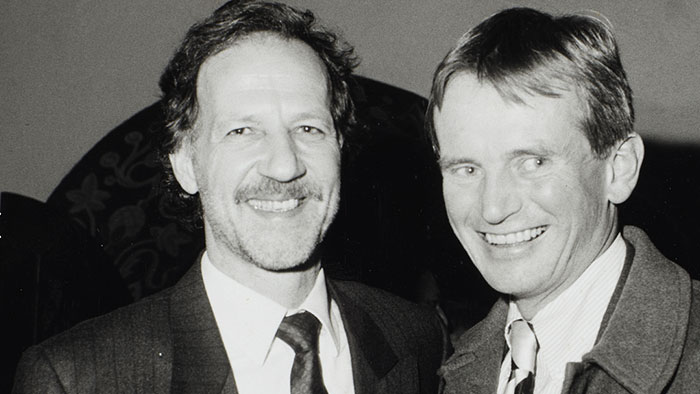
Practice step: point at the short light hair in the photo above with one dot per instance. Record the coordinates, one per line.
(524, 51)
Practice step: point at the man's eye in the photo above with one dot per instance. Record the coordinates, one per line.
(534, 163)
(464, 171)
(310, 130)
(239, 131)
(310, 133)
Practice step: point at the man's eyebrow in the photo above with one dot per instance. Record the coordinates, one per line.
(238, 117)
(452, 161)
(318, 114)
(538, 150)
(235, 121)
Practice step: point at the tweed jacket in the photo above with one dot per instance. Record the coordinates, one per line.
(649, 341)
(170, 343)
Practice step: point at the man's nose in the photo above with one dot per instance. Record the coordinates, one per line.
(500, 198)
(281, 160)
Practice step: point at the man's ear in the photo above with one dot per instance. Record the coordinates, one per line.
(183, 167)
(625, 163)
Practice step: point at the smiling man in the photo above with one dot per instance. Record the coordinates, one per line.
(257, 108)
(531, 117)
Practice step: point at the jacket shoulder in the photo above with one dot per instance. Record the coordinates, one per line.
(413, 325)
(124, 328)
(413, 333)
(111, 350)
(691, 350)
(686, 378)
(378, 302)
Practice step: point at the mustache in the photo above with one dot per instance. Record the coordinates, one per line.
(286, 190)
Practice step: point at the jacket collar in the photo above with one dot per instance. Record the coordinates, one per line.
(641, 338)
(372, 356)
(200, 363)
(479, 353)
(641, 345)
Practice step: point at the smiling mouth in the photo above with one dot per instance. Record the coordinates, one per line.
(276, 206)
(514, 238)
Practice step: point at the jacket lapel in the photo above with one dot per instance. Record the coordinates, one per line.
(372, 356)
(200, 363)
(475, 365)
(642, 343)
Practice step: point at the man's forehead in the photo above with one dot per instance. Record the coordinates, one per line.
(476, 116)
(265, 68)
(261, 60)
(466, 91)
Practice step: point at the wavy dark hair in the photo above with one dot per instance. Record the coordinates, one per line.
(525, 51)
(229, 24)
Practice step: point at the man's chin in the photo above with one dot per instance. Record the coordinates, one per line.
(296, 266)
(285, 259)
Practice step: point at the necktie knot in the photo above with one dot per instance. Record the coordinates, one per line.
(300, 331)
(523, 353)
(523, 345)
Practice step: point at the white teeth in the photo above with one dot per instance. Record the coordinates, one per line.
(512, 238)
(274, 206)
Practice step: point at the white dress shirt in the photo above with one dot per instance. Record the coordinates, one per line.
(248, 322)
(567, 327)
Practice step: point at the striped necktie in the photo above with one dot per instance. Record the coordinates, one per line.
(523, 353)
(300, 331)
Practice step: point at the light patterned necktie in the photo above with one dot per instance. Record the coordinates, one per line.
(523, 354)
(300, 331)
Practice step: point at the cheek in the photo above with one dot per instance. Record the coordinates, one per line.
(557, 193)
(574, 198)
(324, 162)
(332, 163)
(552, 197)
(219, 172)
(459, 202)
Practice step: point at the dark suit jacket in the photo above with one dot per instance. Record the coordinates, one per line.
(649, 341)
(170, 343)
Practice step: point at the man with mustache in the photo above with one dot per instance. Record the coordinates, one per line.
(257, 107)
(532, 119)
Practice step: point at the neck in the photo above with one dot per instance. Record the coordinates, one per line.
(287, 288)
(529, 306)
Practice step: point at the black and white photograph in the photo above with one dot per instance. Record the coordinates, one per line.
(350, 197)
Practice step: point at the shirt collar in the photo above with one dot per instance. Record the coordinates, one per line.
(567, 327)
(318, 303)
(248, 321)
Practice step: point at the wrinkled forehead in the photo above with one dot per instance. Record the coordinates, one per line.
(547, 80)
(476, 113)
(516, 90)
(265, 60)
